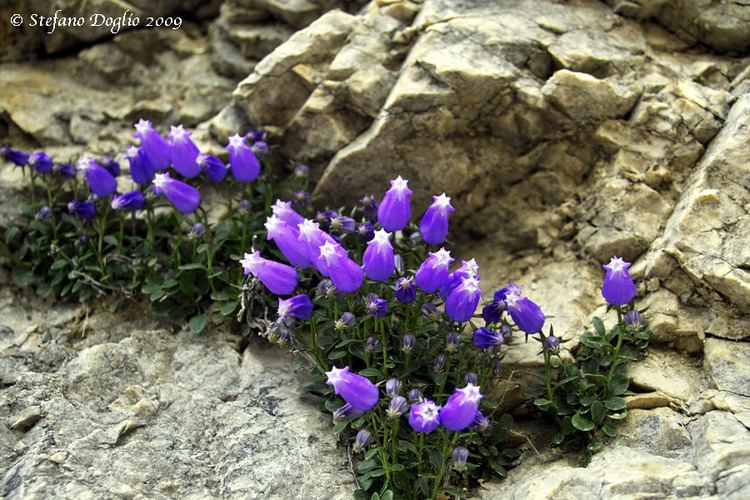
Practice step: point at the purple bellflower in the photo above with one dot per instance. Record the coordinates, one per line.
(406, 290)
(297, 307)
(64, 170)
(459, 411)
(618, 288)
(141, 169)
(492, 313)
(312, 239)
(365, 231)
(41, 162)
(346, 275)
(378, 258)
(245, 166)
(14, 156)
(424, 416)
(526, 314)
(301, 171)
(110, 164)
(394, 211)
(100, 181)
(434, 223)
(183, 196)
(184, 152)
(212, 167)
(433, 273)
(484, 338)
(286, 238)
(43, 213)
(633, 318)
(82, 209)
(284, 211)
(463, 300)
(369, 206)
(353, 388)
(153, 145)
(342, 224)
(279, 278)
(376, 306)
(132, 200)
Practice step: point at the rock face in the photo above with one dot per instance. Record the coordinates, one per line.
(566, 132)
(93, 406)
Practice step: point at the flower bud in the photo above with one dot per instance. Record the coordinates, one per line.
(244, 206)
(415, 396)
(409, 341)
(393, 387)
(347, 320)
(360, 442)
(481, 423)
(43, 213)
(197, 231)
(301, 199)
(471, 378)
(346, 412)
(372, 343)
(397, 407)
(301, 171)
(460, 455)
(633, 318)
(552, 343)
(452, 341)
(430, 311)
(440, 363)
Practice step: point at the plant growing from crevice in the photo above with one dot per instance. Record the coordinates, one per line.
(585, 395)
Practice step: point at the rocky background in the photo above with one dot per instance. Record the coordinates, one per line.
(565, 131)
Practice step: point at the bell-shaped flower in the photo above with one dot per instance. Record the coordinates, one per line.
(297, 307)
(347, 276)
(459, 411)
(286, 238)
(434, 224)
(132, 200)
(82, 209)
(424, 416)
(526, 314)
(110, 164)
(245, 166)
(395, 209)
(64, 170)
(14, 156)
(312, 239)
(212, 167)
(183, 196)
(141, 169)
(100, 181)
(279, 278)
(284, 211)
(184, 152)
(433, 273)
(153, 145)
(460, 455)
(376, 306)
(406, 290)
(378, 258)
(41, 162)
(355, 389)
(463, 300)
(485, 339)
(618, 288)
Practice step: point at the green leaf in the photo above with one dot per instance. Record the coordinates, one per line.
(609, 430)
(229, 308)
(598, 412)
(582, 423)
(192, 266)
(619, 384)
(337, 355)
(543, 403)
(388, 495)
(366, 466)
(370, 372)
(198, 323)
(599, 326)
(615, 403)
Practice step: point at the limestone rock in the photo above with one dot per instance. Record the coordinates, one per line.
(728, 364)
(582, 96)
(143, 413)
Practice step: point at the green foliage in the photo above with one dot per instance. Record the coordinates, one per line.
(585, 396)
(186, 277)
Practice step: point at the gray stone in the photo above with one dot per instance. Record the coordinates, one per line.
(728, 364)
(144, 413)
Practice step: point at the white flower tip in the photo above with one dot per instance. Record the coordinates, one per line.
(143, 126)
(442, 201)
(236, 141)
(178, 133)
(399, 184)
